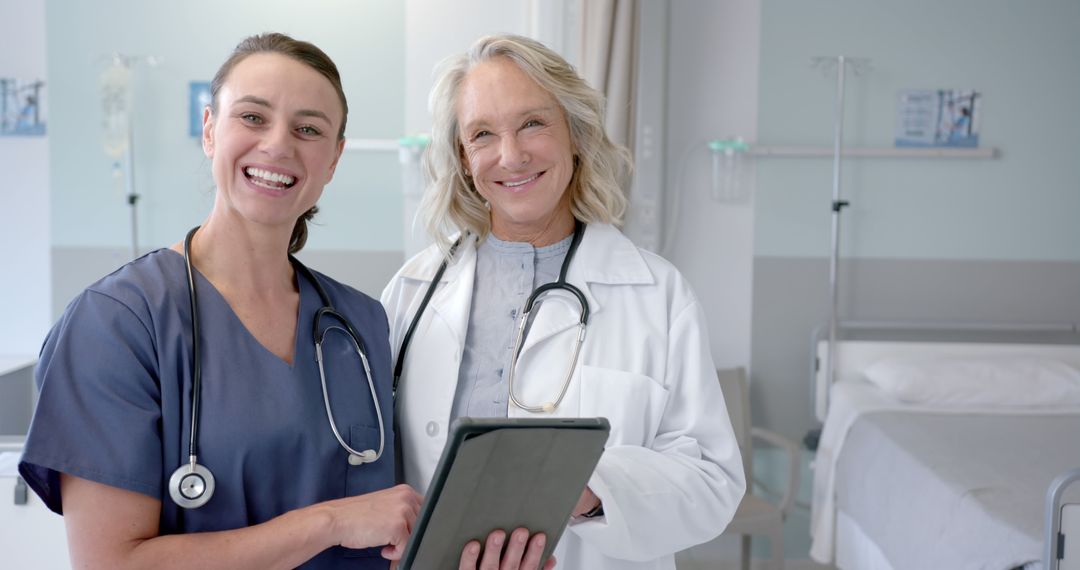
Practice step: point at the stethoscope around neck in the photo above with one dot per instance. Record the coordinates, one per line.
(192, 484)
(522, 329)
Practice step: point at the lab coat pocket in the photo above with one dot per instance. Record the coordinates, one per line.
(633, 403)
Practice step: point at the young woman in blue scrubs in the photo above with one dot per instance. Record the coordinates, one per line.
(115, 374)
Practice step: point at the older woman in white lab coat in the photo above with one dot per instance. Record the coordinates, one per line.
(520, 163)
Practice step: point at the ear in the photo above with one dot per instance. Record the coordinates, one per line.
(337, 157)
(208, 132)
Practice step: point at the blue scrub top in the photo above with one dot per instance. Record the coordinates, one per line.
(115, 401)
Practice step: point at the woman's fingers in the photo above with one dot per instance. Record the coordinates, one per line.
(521, 552)
(534, 552)
(492, 550)
(393, 552)
(469, 555)
(515, 550)
(378, 518)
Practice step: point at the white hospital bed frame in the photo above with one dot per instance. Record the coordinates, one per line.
(853, 356)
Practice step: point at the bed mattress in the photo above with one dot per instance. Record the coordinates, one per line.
(954, 491)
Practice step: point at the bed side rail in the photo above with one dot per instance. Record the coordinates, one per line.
(1062, 548)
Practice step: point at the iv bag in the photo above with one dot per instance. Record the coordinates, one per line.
(115, 83)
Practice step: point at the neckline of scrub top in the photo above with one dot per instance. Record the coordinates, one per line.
(201, 279)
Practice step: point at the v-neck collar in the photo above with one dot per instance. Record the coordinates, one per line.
(202, 283)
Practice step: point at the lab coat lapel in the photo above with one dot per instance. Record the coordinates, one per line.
(453, 299)
(606, 257)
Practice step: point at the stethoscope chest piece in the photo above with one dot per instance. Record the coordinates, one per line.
(191, 485)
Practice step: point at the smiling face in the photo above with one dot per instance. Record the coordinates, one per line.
(273, 140)
(516, 147)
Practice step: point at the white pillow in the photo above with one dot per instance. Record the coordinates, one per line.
(973, 381)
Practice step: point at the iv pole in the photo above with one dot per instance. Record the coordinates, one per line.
(119, 97)
(129, 175)
(858, 65)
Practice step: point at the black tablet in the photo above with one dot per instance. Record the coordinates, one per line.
(504, 473)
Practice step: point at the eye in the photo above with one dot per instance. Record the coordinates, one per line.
(533, 123)
(480, 134)
(308, 130)
(251, 118)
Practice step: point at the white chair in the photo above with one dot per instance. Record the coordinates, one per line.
(755, 515)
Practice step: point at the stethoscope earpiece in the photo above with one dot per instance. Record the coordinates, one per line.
(366, 456)
(191, 485)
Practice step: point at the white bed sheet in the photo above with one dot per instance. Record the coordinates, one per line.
(854, 549)
(849, 401)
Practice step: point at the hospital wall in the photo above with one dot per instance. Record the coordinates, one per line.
(29, 537)
(712, 93)
(924, 239)
(25, 309)
(359, 227)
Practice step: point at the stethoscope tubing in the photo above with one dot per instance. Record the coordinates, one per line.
(196, 358)
(191, 475)
(550, 406)
(326, 400)
(560, 284)
(416, 319)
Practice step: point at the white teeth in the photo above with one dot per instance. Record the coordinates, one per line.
(516, 184)
(269, 176)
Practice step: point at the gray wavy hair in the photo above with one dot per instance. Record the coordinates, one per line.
(451, 203)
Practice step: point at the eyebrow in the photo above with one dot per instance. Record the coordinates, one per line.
(303, 112)
(483, 122)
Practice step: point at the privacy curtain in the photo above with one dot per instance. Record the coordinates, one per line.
(609, 55)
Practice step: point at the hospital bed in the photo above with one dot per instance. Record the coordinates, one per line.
(921, 466)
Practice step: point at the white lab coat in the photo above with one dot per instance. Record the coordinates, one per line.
(671, 475)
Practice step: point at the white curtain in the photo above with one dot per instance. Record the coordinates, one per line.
(609, 60)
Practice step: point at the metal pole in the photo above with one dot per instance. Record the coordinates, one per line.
(1054, 547)
(129, 180)
(837, 206)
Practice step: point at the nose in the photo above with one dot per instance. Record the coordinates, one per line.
(277, 141)
(512, 154)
